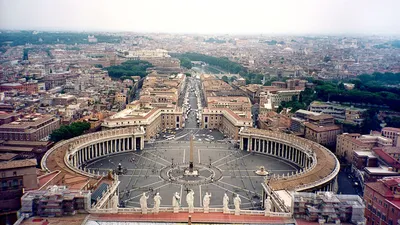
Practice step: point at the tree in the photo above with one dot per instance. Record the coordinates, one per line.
(327, 59)
(66, 132)
(185, 62)
(225, 78)
(371, 121)
(129, 68)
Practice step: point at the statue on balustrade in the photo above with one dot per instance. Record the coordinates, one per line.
(206, 202)
(157, 202)
(225, 202)
(190, 201)
(267, 205)
(176, 202)
(236, 202)
(143, 203)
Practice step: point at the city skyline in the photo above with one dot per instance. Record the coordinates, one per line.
(205, 17)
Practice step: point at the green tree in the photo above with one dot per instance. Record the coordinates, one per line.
(66, 132)
(327, 59)
(185, 62)
(371, 121)
(225, 78)
(129, 68)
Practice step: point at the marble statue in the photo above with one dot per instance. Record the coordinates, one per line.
(267, 205)
(114, 202)
(236, 202)
(143, 203)
(190, 200)
(206, 202)
(225, 202)
(176, 202)
(157, 202)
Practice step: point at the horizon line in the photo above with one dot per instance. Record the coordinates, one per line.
(201, 33)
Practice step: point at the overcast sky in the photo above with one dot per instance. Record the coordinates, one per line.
(205, 16)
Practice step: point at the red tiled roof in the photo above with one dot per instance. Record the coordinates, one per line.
(380, 188)
(386, 157)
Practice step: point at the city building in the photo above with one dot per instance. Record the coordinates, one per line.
(382, 201)
(55, 201)
(273, 99)
(17, 176)
(315, 126)
(32, 127)
(392, 133)
(324, 135)
(347, 144)
(339, 112)
(327, 207)
(224, 120)
(120, 98)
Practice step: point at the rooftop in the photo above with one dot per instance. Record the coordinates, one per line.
(18, 164)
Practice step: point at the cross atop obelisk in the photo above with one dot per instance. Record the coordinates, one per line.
(191, 154)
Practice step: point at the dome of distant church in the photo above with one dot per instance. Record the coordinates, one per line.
(287, 49)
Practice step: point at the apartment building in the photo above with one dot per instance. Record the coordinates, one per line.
(224, 120)
(382, 201)
(16, 177)
(347, 144)
(32, 127)
(392, 133)
(339, 112)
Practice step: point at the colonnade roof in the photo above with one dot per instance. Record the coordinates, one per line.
(67, 177)
(326, 161)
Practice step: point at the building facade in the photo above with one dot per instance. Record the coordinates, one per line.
(32, 127)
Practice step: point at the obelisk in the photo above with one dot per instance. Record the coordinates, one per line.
(191, 154)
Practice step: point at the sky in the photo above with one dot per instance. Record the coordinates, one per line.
(369, 17)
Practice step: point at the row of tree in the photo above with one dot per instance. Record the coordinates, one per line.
(129, 68)
(66, 132)
(223, 63)
(375, 95)
(25, 37)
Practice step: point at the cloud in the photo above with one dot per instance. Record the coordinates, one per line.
(205, 16)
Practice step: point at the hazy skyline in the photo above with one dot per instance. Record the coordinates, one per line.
(206, 16)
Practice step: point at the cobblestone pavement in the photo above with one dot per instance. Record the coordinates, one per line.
(143, 172)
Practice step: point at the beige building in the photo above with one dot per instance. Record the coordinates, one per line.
(153, 120)
(156, 108)
(271, 100)
(392, 133)
(120, 97)
(224, 120)
(324, 135)
(234, 103)
(347, 144)
(16, 177)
